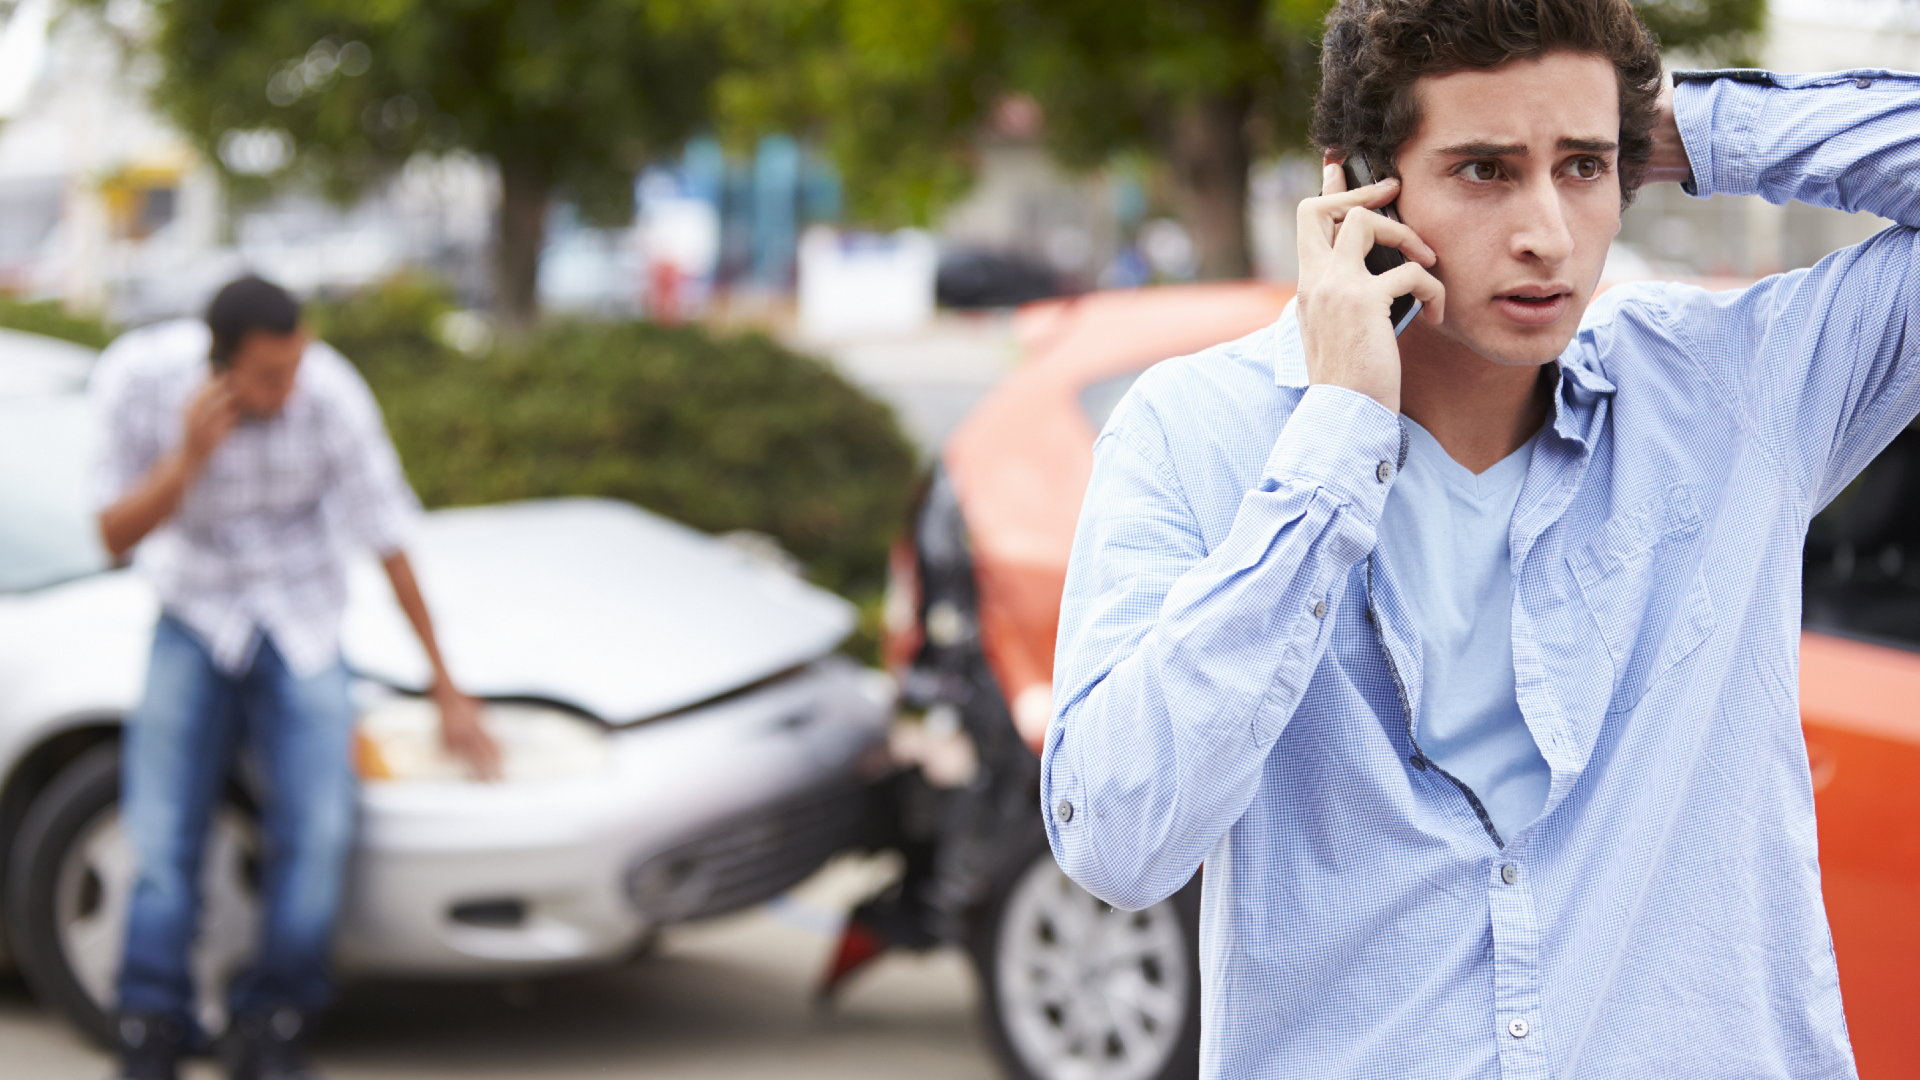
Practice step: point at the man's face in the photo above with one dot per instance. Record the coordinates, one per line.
(1512, 180)
(262, 370)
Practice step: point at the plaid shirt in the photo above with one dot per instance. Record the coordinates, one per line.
(258, 543)
(1238, 669)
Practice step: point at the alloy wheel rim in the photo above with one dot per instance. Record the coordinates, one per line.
(94, 888)
(1087, 992)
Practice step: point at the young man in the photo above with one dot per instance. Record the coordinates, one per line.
(240, 458)
(1467, 661)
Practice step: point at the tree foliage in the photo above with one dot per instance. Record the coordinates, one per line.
(894, 91)
(567, 95)
(1715, 31)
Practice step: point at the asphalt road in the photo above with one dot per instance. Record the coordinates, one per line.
(717, 1001)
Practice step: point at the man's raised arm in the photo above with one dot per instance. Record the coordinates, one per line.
(1846, 140)
(1820, 361)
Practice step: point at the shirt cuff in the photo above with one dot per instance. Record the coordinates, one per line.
(1703, 107)
(1343, 441)
(387, 528)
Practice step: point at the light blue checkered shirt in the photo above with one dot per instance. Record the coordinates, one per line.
(1663, 916)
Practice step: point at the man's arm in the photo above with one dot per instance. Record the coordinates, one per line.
(459, 714)
(376, 507)
(1669, 164)
(1845, 140)
(1179, 667)
(157, 495)
(1821, 362)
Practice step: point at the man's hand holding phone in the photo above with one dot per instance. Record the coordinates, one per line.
(1344, 308)
(211, 415)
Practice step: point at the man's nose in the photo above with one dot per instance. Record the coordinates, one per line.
(1542, 232)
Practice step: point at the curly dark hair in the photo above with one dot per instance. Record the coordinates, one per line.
(1375, 50)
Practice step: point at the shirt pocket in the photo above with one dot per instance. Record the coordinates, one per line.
(1645, 591)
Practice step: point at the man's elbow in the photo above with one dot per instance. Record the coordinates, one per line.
(1134, 885)
(116, 537)
(1130, 894)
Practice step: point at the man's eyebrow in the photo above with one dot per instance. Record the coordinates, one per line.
(1483, 150)
(1500, 150)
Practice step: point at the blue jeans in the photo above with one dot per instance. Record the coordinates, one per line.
(179, 753)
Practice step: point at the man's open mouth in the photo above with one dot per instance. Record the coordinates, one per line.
(1535, 306)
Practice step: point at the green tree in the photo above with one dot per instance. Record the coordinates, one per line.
(894, 91)
(564, 95)
(1200, 87)
(1714, 31)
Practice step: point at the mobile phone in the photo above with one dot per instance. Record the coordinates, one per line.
(1383, 257)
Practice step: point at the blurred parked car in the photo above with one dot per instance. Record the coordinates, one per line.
(971, 278)
(680, 738)
(1074, 989)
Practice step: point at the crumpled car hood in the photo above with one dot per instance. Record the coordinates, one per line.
(592, 603)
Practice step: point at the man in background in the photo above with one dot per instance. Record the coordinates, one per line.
(240, 460)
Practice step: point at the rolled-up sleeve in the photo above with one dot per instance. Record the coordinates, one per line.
(1845, 140)
(1178, 667)
(370, 498)
(127, 417)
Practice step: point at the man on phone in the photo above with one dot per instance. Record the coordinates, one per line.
(240, 460)
(1466, 661)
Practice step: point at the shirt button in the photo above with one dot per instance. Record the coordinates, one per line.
(1510, 874)
(1320, 610)
(1419, 762)
(1863, 82)
(1518, 1028)
(1063, 810)
(1384, 471)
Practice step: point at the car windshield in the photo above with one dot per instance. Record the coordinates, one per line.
(1100, 399)
(1863, 552)
(47, 532)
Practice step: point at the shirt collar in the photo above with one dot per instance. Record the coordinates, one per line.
(1579, 389)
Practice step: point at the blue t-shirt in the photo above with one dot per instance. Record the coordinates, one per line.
(1444, 530)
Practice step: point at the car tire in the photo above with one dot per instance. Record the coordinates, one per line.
(71, 877)
(1040, 1026)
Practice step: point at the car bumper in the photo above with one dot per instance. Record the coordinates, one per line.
(486, 879)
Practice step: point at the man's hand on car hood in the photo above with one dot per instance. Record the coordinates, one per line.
(460, 730)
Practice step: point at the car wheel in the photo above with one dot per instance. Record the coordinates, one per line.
(70, 882)
(1075, 990)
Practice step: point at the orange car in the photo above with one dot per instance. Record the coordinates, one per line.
(1074, 989)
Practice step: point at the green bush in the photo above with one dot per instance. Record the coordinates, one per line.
(49, 318)
(388, 330)
(719, 432)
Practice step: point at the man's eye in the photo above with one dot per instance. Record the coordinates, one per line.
(1483, 170)
(1586, 168)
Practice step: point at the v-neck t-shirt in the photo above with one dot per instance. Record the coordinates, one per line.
(1444, 532)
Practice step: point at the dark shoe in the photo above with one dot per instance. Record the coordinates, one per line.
(268, 1046)
(150, 1047)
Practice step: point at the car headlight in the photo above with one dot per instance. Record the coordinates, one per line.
(399, 740)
